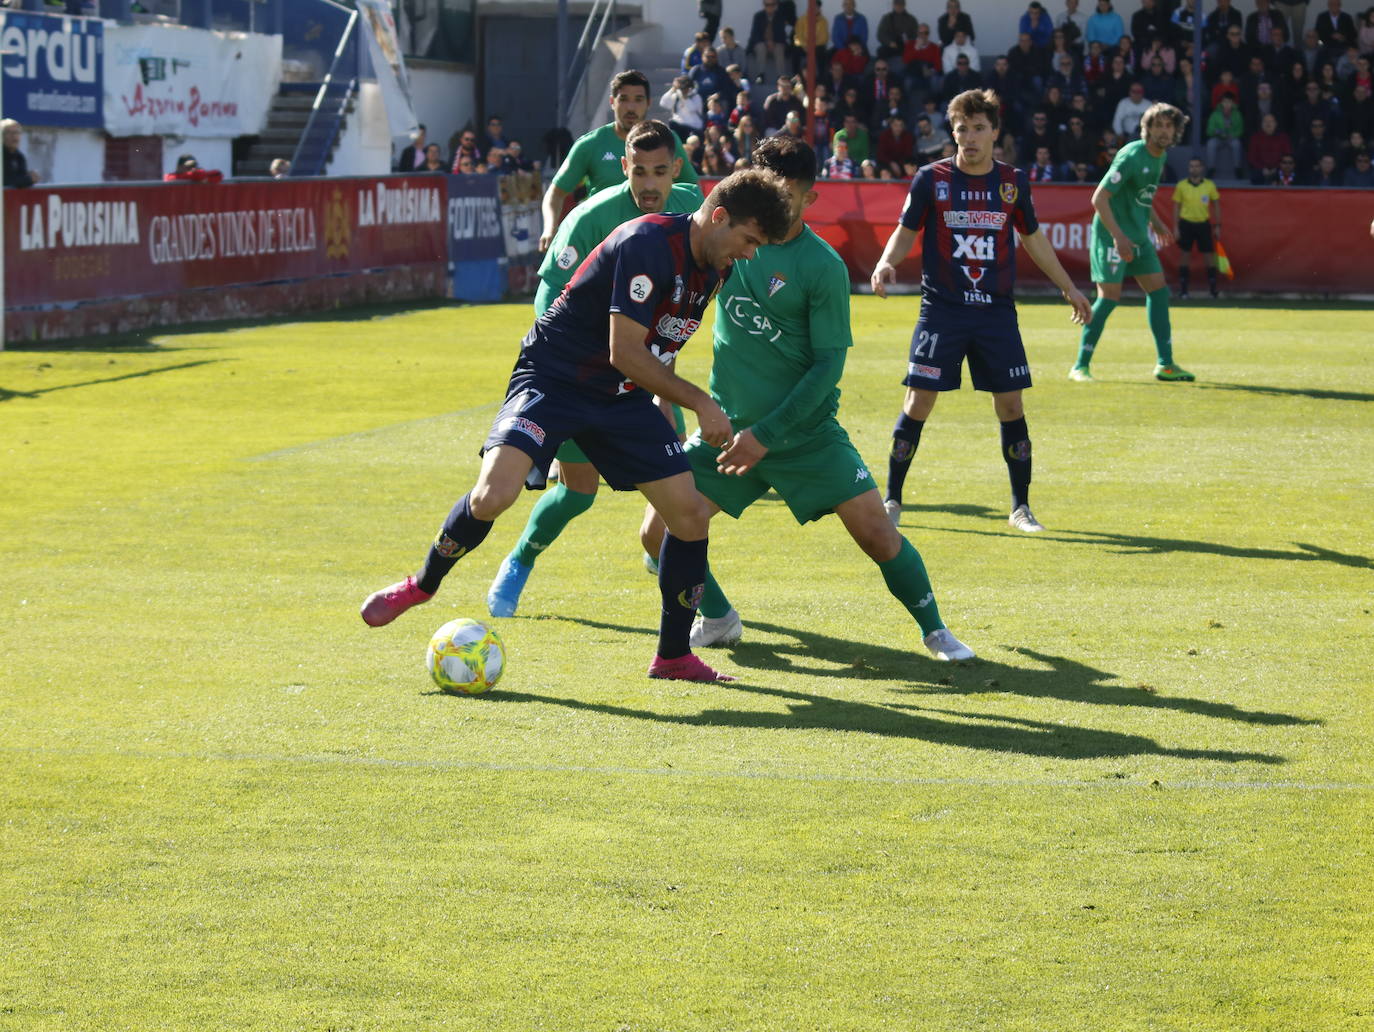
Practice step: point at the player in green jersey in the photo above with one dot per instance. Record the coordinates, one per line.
(1121, 247)
(650, 167)
(595, 157)
(781, 336)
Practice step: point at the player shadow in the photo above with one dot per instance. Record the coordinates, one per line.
(1140, 544)
(812, 654)
(1317, 393)
(956, 509)
(808, 711)
(7, 395)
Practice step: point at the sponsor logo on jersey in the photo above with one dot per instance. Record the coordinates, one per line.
(567, 257)
(973, 272)
(977, 297)
(975, 219)
(930, 372)
(640, 288)
(678, 287)
(942, 191)
(527, 427)
(776, 283)
(676, 328)
(1008, 192)
(748, 315)
(447, 547)
(1146, 197)
(976, 247)
(860, 474)
(975, 195)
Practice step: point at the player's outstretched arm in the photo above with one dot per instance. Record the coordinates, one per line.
(1042, 253)
(898, 247)
(631, 357)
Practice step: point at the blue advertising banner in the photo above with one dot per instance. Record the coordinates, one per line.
(54, 70)
(476, 237)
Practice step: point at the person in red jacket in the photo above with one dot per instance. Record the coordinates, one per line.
(896, 146)
(1266, 148)
(189, 171)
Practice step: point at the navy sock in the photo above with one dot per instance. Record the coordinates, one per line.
(906, 438)
(1212, 277)
(681, 582)
(1016, 450)
(460, 534)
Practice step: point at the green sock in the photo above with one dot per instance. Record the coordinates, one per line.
(549, 516)
(1157, 308)
(714, 604)
(906, 578)
(1087, 343)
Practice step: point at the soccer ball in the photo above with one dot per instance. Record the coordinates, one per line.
(465, 657)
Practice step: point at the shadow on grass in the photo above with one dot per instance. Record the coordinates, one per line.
(6, 395)
(1317, 393)
(1065, 680)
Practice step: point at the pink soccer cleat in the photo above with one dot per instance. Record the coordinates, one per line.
(684, 668)
(384, 606)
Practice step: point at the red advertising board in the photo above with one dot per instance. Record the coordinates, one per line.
(70, 245)
(1279, 241)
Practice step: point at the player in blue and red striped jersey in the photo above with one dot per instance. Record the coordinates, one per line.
(588, 370)
(970, 208)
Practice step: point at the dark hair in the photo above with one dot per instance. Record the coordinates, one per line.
(650, 135)
(787, 157)
(754, 194)
(629, 77)
(186, 159)
(976, 102)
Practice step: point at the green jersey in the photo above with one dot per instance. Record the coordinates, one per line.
(595, 159)
(1132, 181)
(779, 313)
(592, 222)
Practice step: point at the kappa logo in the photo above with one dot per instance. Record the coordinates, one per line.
(775, 283)
(608, 156)
(930, 597)
(567, 257)
(640, 288)
(860, 474)
(942, 191)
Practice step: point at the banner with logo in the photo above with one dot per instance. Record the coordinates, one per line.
(163, 80)
(1295, 241)
(476, 237)
(70, 245)
(54, 70)
(388, 64)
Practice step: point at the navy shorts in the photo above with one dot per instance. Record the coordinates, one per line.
(625, 436)
(988, 337)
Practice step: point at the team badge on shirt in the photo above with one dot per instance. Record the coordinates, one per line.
(775, 283)
(567, 257)
(942, 191)
(1008, 192)
(640, 288)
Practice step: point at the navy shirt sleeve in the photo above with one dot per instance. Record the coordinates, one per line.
(1026, 222)
(643, 273)
(917, 200)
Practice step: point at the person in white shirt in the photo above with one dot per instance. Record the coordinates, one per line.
(1129, 110)
(960, 45)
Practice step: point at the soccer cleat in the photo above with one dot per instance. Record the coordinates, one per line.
(651, 564)
(1173, 374)
(1183, 295)
(503, 597)
(684, 668)
(1081, 374)
(893, 508)
(943, 645)
(1213, 291)
(721, 630)
(1023, 519)
(381, 607)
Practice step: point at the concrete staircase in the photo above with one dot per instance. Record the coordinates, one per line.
(285, 123)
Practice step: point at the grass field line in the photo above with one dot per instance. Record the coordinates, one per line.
(804, 777)
(376, 431)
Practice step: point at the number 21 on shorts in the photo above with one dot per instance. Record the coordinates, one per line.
(925, 344)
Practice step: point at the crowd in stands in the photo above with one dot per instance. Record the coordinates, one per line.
(1281, 104)
(469, 153)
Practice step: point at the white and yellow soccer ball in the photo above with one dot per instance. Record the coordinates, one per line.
(466, 657)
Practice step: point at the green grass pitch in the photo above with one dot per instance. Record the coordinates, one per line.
(226, 804)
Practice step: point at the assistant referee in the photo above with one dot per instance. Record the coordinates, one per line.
(1197, 212)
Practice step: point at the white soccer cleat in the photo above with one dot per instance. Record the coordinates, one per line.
(708, 631)
(893, 510)
(943, 645)
(1023, 519)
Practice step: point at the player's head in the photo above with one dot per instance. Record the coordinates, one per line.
(974, 119)
(1162, 125)
(629, 98)
(1195, 169)
(743, 211)
(794, 162)
(651, 164)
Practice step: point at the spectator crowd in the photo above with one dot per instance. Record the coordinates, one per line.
(1282, 102)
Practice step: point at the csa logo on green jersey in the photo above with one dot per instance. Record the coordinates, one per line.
(1146, 197)
(748, 315)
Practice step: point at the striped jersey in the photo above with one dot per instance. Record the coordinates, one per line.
(968, 255)
(643, 270)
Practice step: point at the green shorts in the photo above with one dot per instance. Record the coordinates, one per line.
(1107, 266)
(812, 479)
(568, 451)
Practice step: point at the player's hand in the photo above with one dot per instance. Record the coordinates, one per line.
(883, 274)
(545, 239)
(1166, 236)
(1125, 249)
(741, 455)
(1082, 308)
(713, 423)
